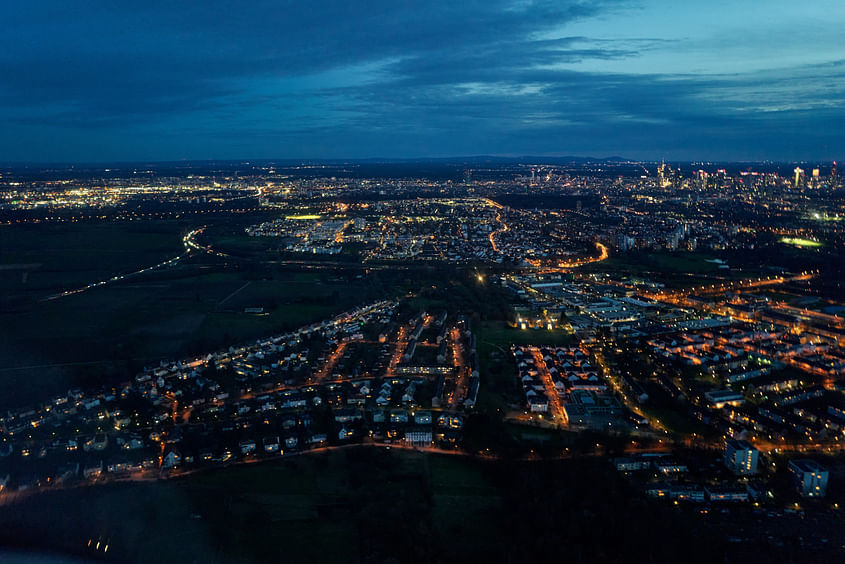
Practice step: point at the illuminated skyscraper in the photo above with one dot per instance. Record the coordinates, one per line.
(662, 179)
(799, 173)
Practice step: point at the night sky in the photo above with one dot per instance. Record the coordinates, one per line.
(721, 80)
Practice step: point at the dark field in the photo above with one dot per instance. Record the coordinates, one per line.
(684, 269)
(366, 505)
(110, 332)
(674, 269)
(67, 255)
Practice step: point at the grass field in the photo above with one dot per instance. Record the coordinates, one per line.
(111, 332)
(675, 269)
(108, 333)
(679, 422)
(364, 505)
(63, 256)
(117, 329)
(494, 339)
(314, 508)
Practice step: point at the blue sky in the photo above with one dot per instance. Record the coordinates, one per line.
(739, 80)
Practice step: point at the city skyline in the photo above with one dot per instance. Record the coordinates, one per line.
(641, 80)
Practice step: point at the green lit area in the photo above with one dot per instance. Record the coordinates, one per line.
(799, 242)
(303, 217)
(825, 217)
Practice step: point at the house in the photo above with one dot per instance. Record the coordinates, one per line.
(247, 446)
(356, 400)
(422, 417)
(93, 469)
(398, 416)
(451, 421)
(410, 392)
(97, 443)
(171, 460)
(119, 466)
(347, 415)
(538, 404)
(317, 439)
(271, 444)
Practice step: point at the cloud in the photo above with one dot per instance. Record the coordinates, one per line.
(394, 78)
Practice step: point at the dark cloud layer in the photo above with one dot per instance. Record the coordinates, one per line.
(169, 80)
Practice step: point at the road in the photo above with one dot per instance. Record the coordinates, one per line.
(679, 297)
(327, 370)
(497, 232)
(187, 242)
(462, 373)
(555, 405)
(575, 263)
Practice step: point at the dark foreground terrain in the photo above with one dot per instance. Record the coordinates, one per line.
(380, 505)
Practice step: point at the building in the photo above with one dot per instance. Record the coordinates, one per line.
(630, 464)
(720, 398)
(692, 493)
(809, 477)
(740, 457)
(419, 435)
(725, 493)
(799, 176)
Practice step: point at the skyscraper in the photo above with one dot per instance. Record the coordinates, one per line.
(799, 173)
